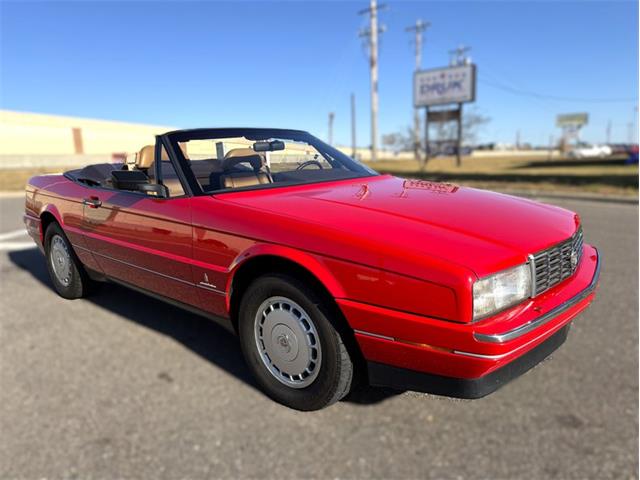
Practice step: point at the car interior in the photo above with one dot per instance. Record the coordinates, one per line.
(240, 167)
(218, 165)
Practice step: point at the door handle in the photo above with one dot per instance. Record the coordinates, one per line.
(92, 202)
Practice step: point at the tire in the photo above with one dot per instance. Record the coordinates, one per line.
(290, 345)
(68, 276)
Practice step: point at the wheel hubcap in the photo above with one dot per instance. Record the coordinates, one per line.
(288, 342)
(60, 259)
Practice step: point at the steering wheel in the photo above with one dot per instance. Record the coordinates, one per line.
(308, 163)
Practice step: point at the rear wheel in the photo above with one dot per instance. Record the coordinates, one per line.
(290, 345)
(65, 270)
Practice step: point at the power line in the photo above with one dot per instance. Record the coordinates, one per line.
(527, 93)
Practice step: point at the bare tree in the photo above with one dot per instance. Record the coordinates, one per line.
(472, 123)
(399, 141)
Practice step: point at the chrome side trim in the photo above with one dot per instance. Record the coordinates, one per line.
(455, 352)
(550, 315)
(480, 355)
(154, 272)
(209, 288)
(375, 335)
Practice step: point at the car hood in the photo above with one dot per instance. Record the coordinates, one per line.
(481, 230)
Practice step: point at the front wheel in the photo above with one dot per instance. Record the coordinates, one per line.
(291, 347)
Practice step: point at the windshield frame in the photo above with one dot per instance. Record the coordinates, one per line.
(170, 141)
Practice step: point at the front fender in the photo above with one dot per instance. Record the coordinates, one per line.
(313, 263)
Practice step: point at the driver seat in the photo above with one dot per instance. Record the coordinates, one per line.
(237, 179)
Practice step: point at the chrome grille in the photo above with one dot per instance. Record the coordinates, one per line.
(553, 265)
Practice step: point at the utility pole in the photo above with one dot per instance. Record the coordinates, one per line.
(372, 34)
(458, 56)
(517, 139)
(331, 116)
(609, 132)
(353, 125)
(418, 28)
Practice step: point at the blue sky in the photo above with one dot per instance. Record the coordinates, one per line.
(287, 64)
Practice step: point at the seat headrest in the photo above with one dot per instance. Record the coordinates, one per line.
(242, 155)
(147, 155)
(240, 152)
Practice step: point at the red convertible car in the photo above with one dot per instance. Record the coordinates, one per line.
(326, 270)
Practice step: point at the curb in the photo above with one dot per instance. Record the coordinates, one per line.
(572, 196)
(12, 194)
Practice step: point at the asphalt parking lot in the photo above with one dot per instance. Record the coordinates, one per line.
(124, 386)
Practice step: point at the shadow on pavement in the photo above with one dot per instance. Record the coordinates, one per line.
(577, 162)
(204, 337)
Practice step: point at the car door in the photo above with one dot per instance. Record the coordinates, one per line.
(141, 240)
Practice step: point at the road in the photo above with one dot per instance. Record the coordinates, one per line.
(124, 386)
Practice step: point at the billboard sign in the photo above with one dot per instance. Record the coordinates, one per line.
(441, 86)
(572, 119)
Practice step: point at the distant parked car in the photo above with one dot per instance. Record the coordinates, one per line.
(633, 154)
(590, 151)
(620, 148)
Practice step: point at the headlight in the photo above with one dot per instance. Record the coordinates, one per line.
(501, 290)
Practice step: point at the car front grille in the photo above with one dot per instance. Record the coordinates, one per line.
(553, 265)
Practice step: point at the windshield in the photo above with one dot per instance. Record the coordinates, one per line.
(231, 159)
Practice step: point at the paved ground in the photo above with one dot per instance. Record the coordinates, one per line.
(124, 386)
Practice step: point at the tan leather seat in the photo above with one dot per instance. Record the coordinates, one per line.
(248, 179)
(174, 186)
(147, 155)
(241, 152)
(231, 179)
(144, 161)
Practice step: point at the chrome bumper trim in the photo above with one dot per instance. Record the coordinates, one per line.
(533, 324)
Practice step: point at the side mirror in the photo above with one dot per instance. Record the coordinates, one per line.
(154, 190)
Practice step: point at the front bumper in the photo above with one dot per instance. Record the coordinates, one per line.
(473, 359)
(404, 379)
